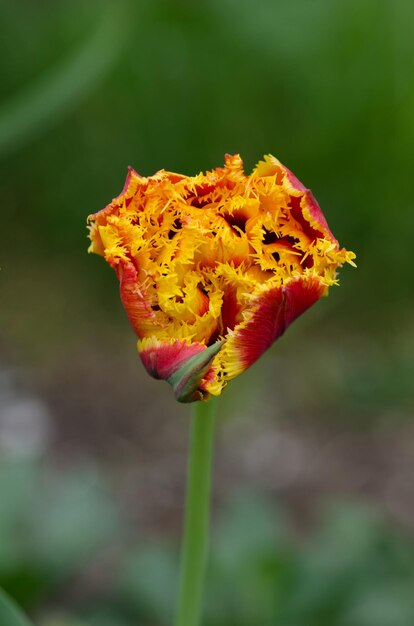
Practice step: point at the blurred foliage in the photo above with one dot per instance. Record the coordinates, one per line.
(10, 614)
(352, 569)
(50, 524)
(88, 88)
(43, 103)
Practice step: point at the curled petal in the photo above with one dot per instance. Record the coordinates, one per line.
(303, 198)
(275, 310)
(310, 207)
(300, 295)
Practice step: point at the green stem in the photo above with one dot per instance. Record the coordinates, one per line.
(195, 539)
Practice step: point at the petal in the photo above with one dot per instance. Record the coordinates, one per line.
(275, 310)
(310, 209)
(300, 295)
(162, 358)
(95, 220)
(132, 181)
(134, 300)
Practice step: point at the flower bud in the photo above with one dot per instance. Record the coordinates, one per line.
(213, 268)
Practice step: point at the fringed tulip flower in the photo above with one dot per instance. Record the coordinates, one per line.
(213, 268)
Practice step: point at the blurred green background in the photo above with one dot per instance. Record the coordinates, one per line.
(313, 515)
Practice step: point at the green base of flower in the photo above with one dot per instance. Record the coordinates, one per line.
(186, 381)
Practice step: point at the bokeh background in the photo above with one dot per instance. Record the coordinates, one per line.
(313, 515)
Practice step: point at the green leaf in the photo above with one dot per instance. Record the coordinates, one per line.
(10, 614)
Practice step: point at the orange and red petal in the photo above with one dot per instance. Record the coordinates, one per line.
(136, 305)
(305, 208)
(276, 310)
(300, 295)
(132, 181)
(162, 359)
(309, 204)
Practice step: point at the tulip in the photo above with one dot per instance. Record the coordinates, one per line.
(213, 268)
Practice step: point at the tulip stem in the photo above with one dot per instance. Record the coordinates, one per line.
(197, 513)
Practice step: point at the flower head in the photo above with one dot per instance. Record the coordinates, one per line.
(213, 268)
